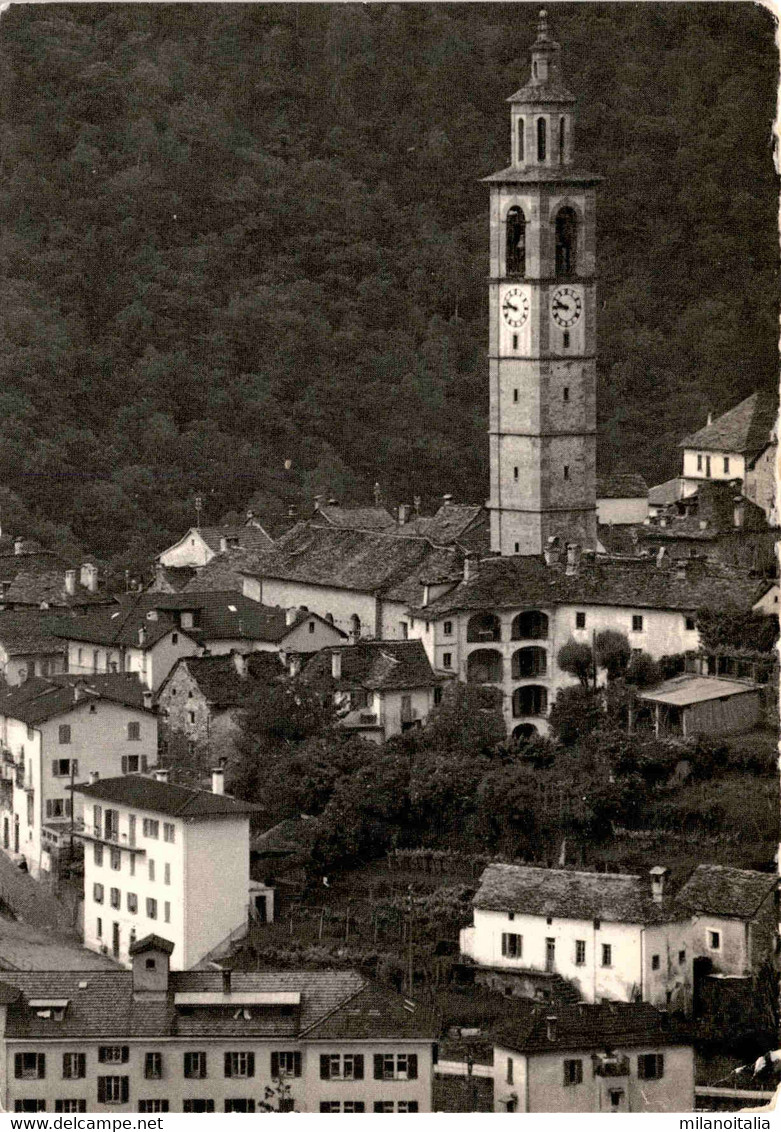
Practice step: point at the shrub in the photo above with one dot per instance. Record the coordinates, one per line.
(613, 652)
(577, 659)
(576, 712)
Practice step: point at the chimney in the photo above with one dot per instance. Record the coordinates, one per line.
(471, 567)
(161, 774)
(573, 558)
(377, 494)
(660, 555)
(141, 635)
(147, 699)
(291, 512)
(657, 874)
(552, 551)
(318, 501)
(680, 570)
(403, 513)
(447, 500)
(294, 665)
(426, 592)
(94, 775)
(251, 519)
(226, 980)
(291, 614)
(550, 1027)
(76, 693)
(70, 582)
(662, 520)
(89, 576)
(159, 573)
(223, 544)
(739, 511)
(240, 663)
(218, 780)
(336, 665)
(18, 545)
(416, 502)
(710, 420)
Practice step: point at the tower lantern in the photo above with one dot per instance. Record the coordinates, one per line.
(542, 321)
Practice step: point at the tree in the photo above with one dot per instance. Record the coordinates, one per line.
(576, 712)
(577, 659)
(612, 651)
(643, 671)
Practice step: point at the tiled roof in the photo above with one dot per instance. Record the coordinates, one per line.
(449, 525)
(746, 428)
(682, 691)
(597, 1027)
(566, 894)
(219, 680)
(171, 579)
(39, 699)
(30, 631)
(33, 587)
(441, 565)
(524, 582)
(224, 572)
(333, 1004)
(622, 486)
(376, 665)
(151, 942)
(144, 793)
(252, 538)
(720, 890)
(355, 518)
(346, 559)
(119, 624)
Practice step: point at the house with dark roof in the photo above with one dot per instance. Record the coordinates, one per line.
(29, 645)
(55, 733)
(504, 622)
(199, 702)
(360, 581)
(622, 498)
(153, 1039)
(381, 688)
(155, 856)
(724, 447)
(40, 579)
(733, 917)
(559, 933)
(353, 516)
(604, 1058)
(200, 544)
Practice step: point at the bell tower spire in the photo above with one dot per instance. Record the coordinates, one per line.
(542, 321)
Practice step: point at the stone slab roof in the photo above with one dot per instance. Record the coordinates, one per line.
(566, 894)
(526, 582)
(355, 518)
(34, 587)
(144, 793)
(223, 572)
(449, 524)
(374, 665)
(720, 890)
(622, 486)
(219, 680)
(39, 699)
(596, 1027)
(101, 1005)
(30, 631)
(746, 428)
(252, 538)
(119, 624)
(671, 491)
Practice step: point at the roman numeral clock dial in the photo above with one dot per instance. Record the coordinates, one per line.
(515, 307)
(566, 307)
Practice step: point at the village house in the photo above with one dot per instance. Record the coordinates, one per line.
(42, 580)
(29, 646)
(622, 498)
(594, 1058)
(200, 544)
(380, 688)
(165, 857)
(56, 733)
(506, 620)
(131, 637)
(608, 935)
(152, 1039)
(363, 581)
(198, 705)
(725, 447)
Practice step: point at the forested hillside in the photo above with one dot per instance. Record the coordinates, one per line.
(244, 247)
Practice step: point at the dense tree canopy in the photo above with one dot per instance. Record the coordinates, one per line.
(245, 246)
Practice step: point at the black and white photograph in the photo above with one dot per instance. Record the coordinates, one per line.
(389, 586)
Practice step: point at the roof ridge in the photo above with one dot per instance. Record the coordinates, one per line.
(346, 1002)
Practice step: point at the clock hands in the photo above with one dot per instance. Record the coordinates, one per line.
(509, 306)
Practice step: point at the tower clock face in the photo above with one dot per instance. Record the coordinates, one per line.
(515, 307)
(566, 306)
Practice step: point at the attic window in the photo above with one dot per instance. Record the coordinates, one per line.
(311, 626)
(151, 964)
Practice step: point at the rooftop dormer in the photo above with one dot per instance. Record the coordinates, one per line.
(151, 958)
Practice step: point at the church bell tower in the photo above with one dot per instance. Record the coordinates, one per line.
(542, 322)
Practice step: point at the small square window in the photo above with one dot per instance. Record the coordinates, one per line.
(682, 955)
(115, 898)
(566, 339)
(580, 620)
(714, 941)
(515, 395)
(447, 660)
(580, 952)
(517, 548)
(566, 471)
(134, 731)
(565, 393)
(447, 628)
(132, 902)
(726, 465)
(151, 908)
(691, 624)
(699, 461)
(65, 733)
(515, 473)
(655, 962)
(607, 955)
(174, 638)
(637, 622)
(573, 1071)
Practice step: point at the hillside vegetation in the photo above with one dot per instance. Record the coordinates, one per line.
(244, 247)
